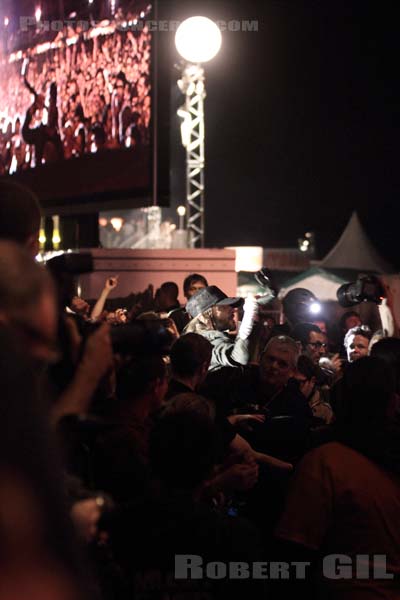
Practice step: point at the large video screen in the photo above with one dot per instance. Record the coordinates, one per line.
(75, 101)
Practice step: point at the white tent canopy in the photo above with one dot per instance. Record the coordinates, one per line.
(355, 251)
(323, 284)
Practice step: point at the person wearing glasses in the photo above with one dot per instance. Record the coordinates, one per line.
(313, 341)
(314, 344)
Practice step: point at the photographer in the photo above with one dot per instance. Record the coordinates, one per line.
(369, 289)
(299, 306)
(308, 376)
(314, 346)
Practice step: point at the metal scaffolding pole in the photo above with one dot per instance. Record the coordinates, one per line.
(192, 131)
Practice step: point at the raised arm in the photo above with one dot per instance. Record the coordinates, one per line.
(110, 284)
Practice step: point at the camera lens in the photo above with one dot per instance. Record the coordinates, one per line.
(347, 295)
(365, 289)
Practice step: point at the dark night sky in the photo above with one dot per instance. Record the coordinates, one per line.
(301, 123)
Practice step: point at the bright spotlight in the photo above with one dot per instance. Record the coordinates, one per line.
(315, 308)
(198, 39)
(38, 14)
(117, 223)
(181, 210)
(6, 21)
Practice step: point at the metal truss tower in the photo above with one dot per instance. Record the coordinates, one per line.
(192, 132)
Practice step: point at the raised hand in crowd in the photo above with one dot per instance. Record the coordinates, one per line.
(110, 284)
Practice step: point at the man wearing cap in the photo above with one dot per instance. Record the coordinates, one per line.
(212, 314)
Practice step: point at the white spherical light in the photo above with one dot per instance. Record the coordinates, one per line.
(198, 39)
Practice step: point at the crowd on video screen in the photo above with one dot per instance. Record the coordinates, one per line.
(82, 94)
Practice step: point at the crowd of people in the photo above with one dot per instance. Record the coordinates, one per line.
(88, 91)
(137, 432)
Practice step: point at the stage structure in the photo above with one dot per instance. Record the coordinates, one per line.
(197, 40)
